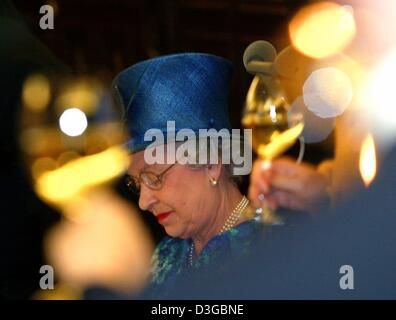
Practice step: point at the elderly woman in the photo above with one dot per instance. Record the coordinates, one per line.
(199, 205)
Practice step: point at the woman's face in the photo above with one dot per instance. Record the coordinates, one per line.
(185, 203)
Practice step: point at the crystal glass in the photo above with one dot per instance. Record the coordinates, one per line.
(274, 129)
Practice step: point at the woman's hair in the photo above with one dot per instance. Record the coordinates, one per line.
(209, 151)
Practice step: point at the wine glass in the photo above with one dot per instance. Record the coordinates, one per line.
(274, 129)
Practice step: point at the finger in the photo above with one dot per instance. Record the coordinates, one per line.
(253, 194)
(265, 165)
(257, 197)
(262, 185)
(287, 200)
(286, 183)
(262, 168)
(285, 165)
(290, 167)
(260, 178)
(272, 202)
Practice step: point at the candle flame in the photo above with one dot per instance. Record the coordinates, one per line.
(367, 161)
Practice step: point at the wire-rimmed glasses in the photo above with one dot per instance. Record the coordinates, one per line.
(151, 179)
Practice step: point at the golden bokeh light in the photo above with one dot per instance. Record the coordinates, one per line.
(61, 291)
(355, 71)
(33, 141)
(110, 247)
(75, 177)
(43, 165)
(36, 93)
(367, 160)
(66, 157)
(83, 94)
(322, 29)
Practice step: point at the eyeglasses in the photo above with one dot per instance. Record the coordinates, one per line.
(152, 180)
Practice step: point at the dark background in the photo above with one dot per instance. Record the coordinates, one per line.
(105, 36)
(102, 37)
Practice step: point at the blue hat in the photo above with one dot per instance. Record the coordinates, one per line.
(190, 89)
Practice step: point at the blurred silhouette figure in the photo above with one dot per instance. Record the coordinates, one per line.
(24, 217)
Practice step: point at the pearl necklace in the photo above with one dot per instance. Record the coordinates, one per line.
(229, 223)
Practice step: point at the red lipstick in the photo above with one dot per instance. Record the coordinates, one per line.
(162, 216)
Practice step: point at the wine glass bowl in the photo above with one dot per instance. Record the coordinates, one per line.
(273, 132)
(266, 111)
